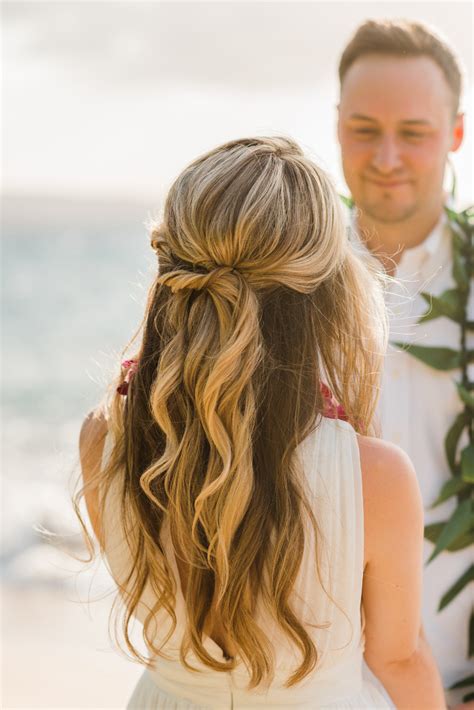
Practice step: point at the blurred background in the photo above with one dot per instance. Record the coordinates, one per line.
(103, 103)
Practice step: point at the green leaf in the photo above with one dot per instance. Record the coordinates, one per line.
(459, 241)
(433, 531)
(459, 524)
(463, 221)
(450, 304)
(452, 438)
(439, 358)
(459, 271)
(468, 214)
(457, 587)
(348, 201)
(450, 488)
(471, 635)
(466, 396)
(453, 216)
(461, 542)
(467, 464)
(463, 683)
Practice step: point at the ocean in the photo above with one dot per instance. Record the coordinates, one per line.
(75, 278)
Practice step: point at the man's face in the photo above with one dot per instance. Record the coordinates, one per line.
(395, 129)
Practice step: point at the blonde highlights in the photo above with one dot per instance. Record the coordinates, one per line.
(259, 297)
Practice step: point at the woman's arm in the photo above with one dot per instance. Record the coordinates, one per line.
(91, 446)
(396, 649)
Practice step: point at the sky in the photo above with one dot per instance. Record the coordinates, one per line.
(111, 99)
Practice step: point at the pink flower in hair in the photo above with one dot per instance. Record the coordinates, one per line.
(332, 410)
(129, 368)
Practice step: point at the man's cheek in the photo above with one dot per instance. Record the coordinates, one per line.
(428, 156)
(356, 159)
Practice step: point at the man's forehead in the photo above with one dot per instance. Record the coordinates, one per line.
(393, 67)
(412, 87)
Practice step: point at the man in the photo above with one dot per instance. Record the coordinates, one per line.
(398, 121)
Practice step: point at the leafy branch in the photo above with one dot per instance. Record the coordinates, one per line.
(456, 533)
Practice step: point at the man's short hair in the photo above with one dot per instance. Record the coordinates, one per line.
(403, 38)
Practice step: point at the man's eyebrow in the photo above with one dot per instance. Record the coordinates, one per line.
(408, 122)
(416, 122)
(361, 117)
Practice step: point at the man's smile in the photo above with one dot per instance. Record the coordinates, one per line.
(387, 184)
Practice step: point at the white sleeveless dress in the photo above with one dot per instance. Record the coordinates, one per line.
(331, 463)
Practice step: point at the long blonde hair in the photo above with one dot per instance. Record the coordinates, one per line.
(259, 296)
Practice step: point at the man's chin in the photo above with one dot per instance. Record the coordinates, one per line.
(388, 213)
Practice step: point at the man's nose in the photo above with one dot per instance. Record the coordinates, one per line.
(387, 156)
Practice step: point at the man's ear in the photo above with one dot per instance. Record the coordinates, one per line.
(458, 132)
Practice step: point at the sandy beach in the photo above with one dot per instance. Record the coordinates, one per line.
(56, 653)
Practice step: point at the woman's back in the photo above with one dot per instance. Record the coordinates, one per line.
(330, 604)
(221, 456)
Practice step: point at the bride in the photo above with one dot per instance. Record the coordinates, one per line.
(265, 541)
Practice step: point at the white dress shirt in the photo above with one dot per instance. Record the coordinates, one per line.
(417, 406)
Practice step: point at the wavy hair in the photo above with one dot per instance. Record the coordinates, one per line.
(258, 298)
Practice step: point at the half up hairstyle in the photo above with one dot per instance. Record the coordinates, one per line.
(259, 297)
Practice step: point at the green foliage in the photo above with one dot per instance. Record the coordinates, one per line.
(348, 201)
(450, 304)
(452, 439)
(466, 396)
(467, 464)
(463, 683)
(460, 272)
(460, 523)
(469, 680)
(433, 531)
(451, 488)
(456, 533)
(457, 587)
(471, 635)
(438, 358)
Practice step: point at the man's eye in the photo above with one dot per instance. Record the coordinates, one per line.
(365, 131)
(412, 134)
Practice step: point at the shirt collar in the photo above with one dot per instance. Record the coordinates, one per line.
(415, 256)
(431, 243)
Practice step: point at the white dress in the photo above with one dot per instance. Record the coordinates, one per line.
(330, 457)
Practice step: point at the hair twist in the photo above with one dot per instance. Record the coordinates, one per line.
(180, 279)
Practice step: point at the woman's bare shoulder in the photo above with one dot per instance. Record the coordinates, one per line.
(382, 461)
(392, 498)
(91, 447)
(91, 441)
